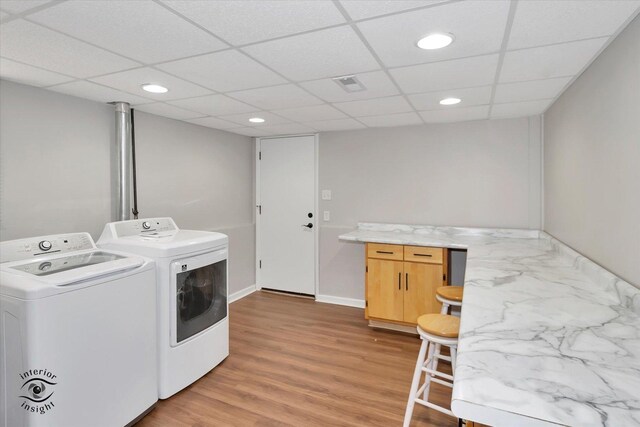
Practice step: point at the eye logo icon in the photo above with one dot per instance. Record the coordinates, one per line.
(37, 390)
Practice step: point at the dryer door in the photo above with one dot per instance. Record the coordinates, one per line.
(199, 286)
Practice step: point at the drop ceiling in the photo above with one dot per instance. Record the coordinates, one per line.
(227, 61)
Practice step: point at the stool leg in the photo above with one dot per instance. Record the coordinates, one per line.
(454, 351)
(431, 356)
(445, 308)
(415, 383)
(434, 366)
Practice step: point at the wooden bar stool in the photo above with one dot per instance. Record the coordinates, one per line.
(435, 331)
(449, 296)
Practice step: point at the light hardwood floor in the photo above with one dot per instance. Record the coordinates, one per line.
(297, 362)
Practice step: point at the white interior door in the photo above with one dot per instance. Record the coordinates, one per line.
(287, 224)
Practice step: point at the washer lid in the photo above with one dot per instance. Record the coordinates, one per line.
(57, 265)
(57, 274)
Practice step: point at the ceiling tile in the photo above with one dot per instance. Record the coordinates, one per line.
(240, 22)
(213, 122)
(286, 129)
(20, 6)
(96, 92)
(519, 109)
(390, 120)
(477, 26)
(32, 44)
(248, 131)
(26, 74)
(339, 124)
(166, 110)
(526, 91)
(375, 107)
(550, 61)
(214, 105)
(269, 98)
(243, 119)
(457, 73)
(130, 81)
(456, 114)
(469, 96)
(224, 71)
(545, 22)
(326, 53)
(362, 9)
(377, 85)
(313, 113)
(141, 30)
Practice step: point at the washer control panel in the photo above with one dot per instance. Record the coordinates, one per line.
(138, 227)
(15, 250)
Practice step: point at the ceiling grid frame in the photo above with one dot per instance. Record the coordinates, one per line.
(297, 83)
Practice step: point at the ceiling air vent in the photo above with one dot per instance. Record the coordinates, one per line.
(349, 83)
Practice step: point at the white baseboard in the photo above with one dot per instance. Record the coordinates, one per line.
(242, 293)
(351, 302)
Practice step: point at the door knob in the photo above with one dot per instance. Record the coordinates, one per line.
(310, 225)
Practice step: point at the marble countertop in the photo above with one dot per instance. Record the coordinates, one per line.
(547, 337)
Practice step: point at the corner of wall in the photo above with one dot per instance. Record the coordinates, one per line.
(535, 162)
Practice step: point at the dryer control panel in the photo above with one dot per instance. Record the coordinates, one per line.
(15, 250)
(143, 226)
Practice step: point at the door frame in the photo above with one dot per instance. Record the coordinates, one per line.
(316, 195)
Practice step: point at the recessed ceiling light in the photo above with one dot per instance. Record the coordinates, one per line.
(450, 101)
(154, 88)
(435, 41)
(256, 120)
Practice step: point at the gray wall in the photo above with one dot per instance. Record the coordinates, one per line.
(482, 173)
(56, 153)
(592, 160)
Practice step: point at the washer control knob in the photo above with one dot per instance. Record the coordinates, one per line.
(146, 225)
(45, 245)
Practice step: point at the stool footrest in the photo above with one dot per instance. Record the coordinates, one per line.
(434, 406)
(443, 382)
(437, 373)
(447, 358)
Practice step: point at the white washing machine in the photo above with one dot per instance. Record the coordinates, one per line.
(77, 333)
(192, 276)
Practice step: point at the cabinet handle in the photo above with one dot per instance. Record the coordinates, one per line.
(399, 280)
(423, 255)
(406, 282)
(385, 252)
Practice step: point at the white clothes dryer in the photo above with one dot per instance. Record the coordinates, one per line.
(192, 280)
(77, 333)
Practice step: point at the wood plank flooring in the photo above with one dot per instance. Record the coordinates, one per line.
(300, 363)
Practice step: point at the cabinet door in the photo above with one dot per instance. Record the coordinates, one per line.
(385, 289)
(421, 282)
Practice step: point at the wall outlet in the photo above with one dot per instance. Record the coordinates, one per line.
(326, 194)
(326, 216)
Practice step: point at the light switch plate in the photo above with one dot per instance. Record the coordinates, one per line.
(326, 194)
(326, 216)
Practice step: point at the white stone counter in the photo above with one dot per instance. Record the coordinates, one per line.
(547, 337)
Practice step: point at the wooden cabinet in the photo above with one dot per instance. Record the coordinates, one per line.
(385, 293)
(401, 281)
(421, 281)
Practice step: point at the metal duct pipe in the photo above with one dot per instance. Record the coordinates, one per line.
(123, 147)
